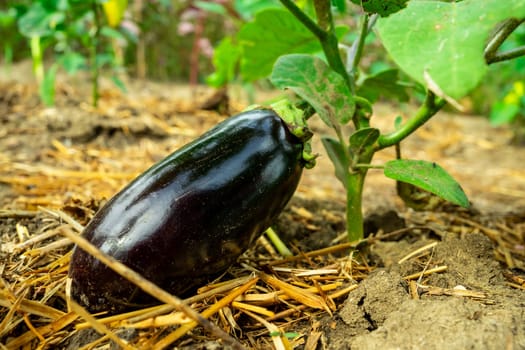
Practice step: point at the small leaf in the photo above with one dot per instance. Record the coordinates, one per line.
(340, 5)
(362, 139)
(382, 7)
(112, 33)
(338, 157)
(38, 21)
(428, 176)
(312, 79)
(225, 59)
(502, 113)
(210, 6)
(384, 83)
(398, 122)
(119, 83)
(73, 62)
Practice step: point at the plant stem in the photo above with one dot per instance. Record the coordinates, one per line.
(507, 55)
(430, 106)
(278, 243)
(356, 51)
(36, 54)
(354, 210)
(329, 41)
(499, 36)
(354, 197)
(93, 54)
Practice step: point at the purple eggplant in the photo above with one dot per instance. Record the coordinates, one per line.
(190, 216)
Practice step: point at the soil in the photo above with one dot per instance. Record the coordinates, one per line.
(441, 278)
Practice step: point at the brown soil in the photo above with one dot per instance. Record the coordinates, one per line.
(471, 296)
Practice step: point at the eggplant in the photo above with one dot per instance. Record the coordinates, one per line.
(189, 217)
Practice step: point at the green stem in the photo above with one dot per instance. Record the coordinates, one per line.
(430, 106)
(507, 55)
(354, 199)
(278, 243)
(93, 54)
(329, 42)
(36, 54)
(356, 51)
(500, 35)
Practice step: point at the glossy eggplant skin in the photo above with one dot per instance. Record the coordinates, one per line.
(189, 217)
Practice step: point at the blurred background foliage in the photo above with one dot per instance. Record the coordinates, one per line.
(174, 40)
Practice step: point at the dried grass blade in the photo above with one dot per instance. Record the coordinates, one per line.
(253, 308)
(5, 322)
(32, 307)
(417, 252)
(273, 297)
(301, 295)
(425, 273)
(174, 318)
(65, 217)
(117, 320)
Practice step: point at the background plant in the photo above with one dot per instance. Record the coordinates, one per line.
(71, 34)
(443, 48)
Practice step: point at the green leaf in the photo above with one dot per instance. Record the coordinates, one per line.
(428, 176)
(7, 18)
(362, 139)
(119, 84)
(384, 83)
(73, 62)
(502, 113)
(274, 32)
(338, 157)
(247, 8)
(112, 33)
(340, 5)
(445, 39)
(382, 7)
(312, 79)
(225, 59)
(210, 7)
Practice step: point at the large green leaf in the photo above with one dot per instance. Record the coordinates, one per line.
(273, 33)
(428, 176)
(312, 79)
(445, 39)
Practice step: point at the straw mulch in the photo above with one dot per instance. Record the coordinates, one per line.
(264, 301)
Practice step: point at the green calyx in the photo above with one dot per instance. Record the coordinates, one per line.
(295, 120)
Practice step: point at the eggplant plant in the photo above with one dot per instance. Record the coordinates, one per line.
(442, 49)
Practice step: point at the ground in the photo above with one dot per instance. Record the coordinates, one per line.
(441, 278)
